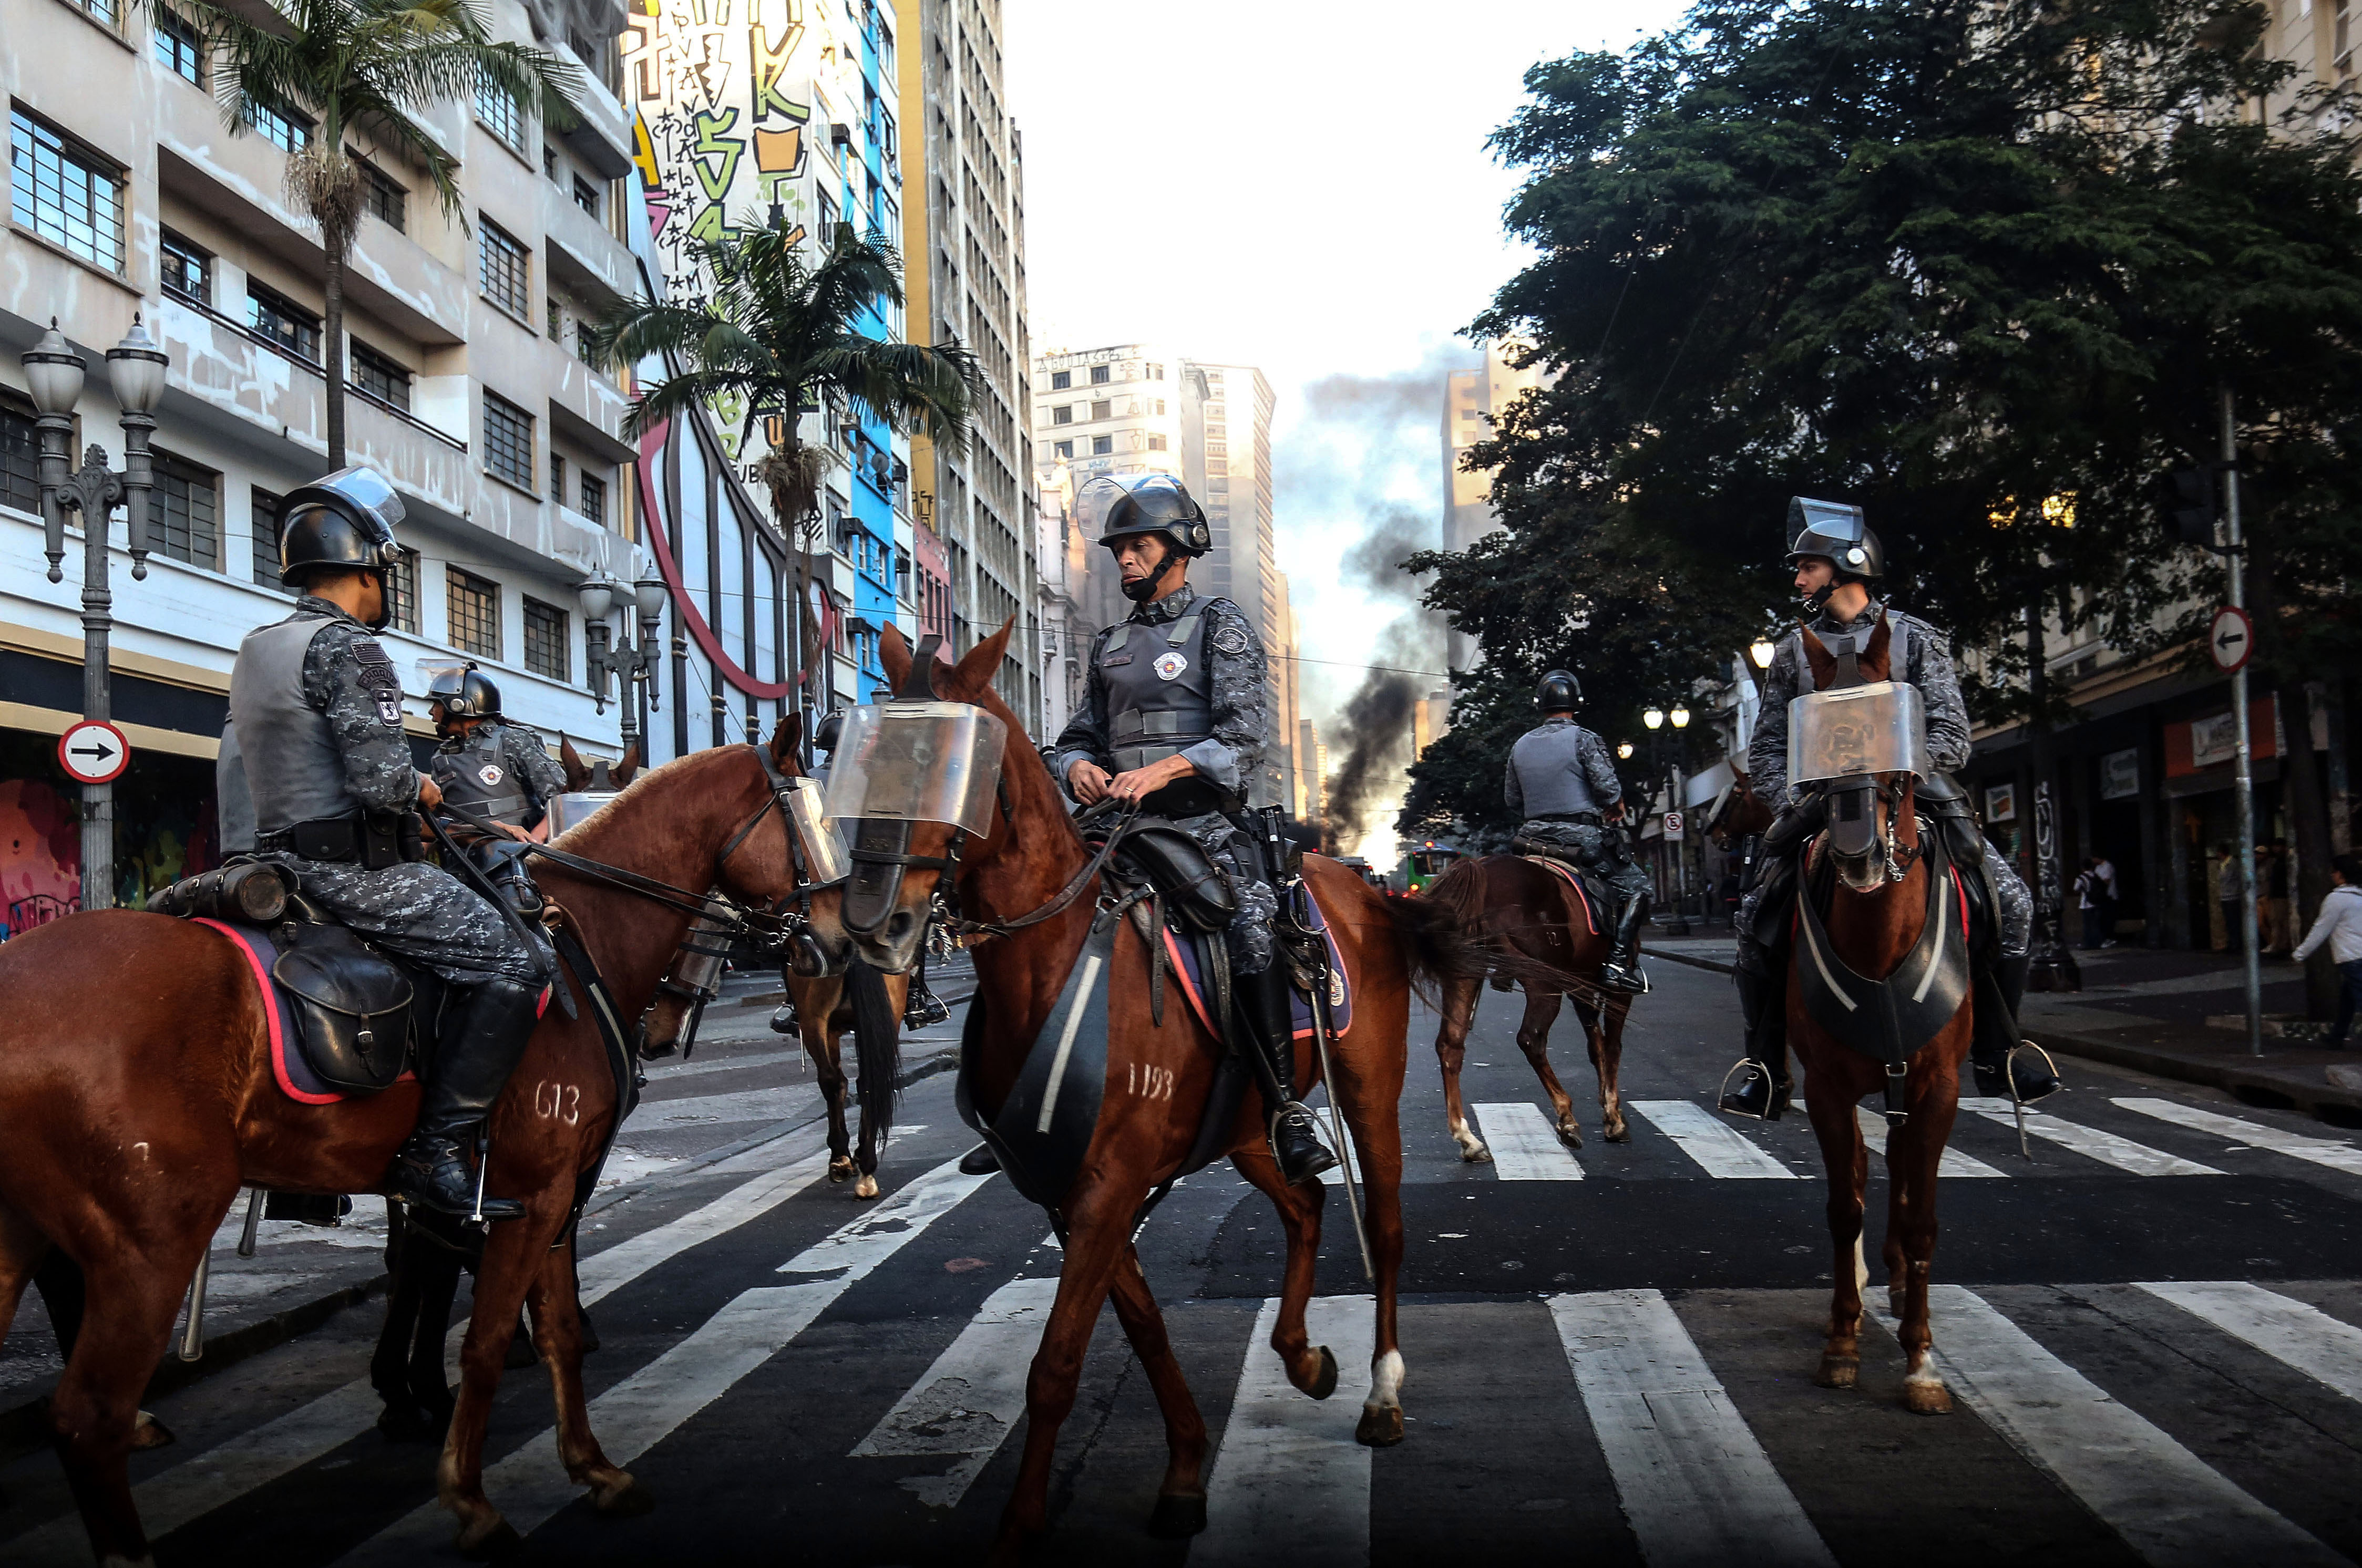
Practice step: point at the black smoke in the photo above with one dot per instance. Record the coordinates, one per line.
(1372, 734)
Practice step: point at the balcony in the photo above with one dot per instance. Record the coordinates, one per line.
(603, 136)
(584, 259)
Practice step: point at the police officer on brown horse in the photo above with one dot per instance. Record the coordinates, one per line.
(497, 771)
(1174, 718)
(1563, 784)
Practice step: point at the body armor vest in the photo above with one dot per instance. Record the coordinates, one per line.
(1849, 648)
(294, 772)
(474, 773)
(1160, 695)
(233, 801)
(1549, 761)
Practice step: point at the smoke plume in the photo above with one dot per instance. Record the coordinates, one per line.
(1372, 732)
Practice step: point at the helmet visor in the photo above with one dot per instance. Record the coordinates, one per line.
(822, 841)
(1162, 495)
(1857, 731)
(442, 678)
(368, 490)
(927, 762)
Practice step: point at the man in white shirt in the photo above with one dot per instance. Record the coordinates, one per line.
(2104, 899)
(2340, 924)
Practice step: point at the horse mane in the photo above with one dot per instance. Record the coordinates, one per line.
(1874, 660)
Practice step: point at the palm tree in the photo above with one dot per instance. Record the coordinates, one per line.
(366, 65)
(778, 335)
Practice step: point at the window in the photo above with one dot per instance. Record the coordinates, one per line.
(1156, 372)
(594, 499)
(20, 464)
(508, 440)
(384, 198)
(63, 195)
(1102, 445)
(557, 318)
(473, 604)
(1102, 408)
(265, 539)
(827, 220)
(1062, 414)
(188, 271)
(549, 163)
(402, 582)
(98, 10)
(1156, 443)
(1065, 448)
(180, 48)
(545, 652)
(281, 321)
(279, 126)
(557, 479)
(497, 111)
(1159, 404)
(1098, 375)
(506, 270)
(380, 377)
(185, 506)
(1061, 379)
(586, 195)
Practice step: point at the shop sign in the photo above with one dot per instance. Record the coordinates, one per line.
(2001, 802)
(2214, 741)
(2120, 774)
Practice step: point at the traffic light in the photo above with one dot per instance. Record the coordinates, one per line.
(2190, 512)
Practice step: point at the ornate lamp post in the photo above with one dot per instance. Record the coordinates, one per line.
(1679, 925)
(632, 662)
(53, 373)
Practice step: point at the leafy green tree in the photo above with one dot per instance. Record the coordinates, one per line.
(365, 66)
(775, 334)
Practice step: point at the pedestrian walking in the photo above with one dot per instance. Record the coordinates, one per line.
(2226, 894)
(2087, 899)
(2340, 924)
(2105, 871)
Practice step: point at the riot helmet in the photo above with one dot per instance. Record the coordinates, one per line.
(455, 691)
(829, 731)
(1560, 692)
(344, 521)
(1119, 506)
(1838, 533)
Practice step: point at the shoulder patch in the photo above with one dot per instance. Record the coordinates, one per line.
(1232, 637)
(367, 651)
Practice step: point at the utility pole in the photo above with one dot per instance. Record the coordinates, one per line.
(2243, 774)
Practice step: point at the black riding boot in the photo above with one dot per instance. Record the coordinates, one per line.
(477, 1049)
(2002, 1072)
(1765, 1085)
(1265, 1008)
(922, 1009)
(1622, 970)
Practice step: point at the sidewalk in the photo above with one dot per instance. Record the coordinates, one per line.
(2147, 1009)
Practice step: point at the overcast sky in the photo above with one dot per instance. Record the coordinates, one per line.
(1302, 186)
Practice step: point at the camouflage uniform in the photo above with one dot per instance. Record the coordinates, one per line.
(531, 769)
(1595, 846)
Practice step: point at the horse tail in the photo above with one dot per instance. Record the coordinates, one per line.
(1443, 936)
(879, 1036)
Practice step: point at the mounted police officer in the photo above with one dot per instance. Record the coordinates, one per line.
(1172, 718)
(494, 770)
(1840, 569)
(1561, 780)
(318, 746)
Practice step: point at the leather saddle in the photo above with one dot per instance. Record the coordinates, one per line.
(1169, 858)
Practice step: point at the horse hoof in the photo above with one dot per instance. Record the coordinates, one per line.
(625, 1500)
(1571, 1135)
(1927, 1397)
(1838, 1371)
(1381, 1426)
(149, 1432)
(1324, 1382)
(492, 1544)
(1177, 1517)
(866, 1187)
(1620, 1133)
(1477, 1154)
(840, 1171)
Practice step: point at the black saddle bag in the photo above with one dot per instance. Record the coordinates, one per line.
(351, 1005)
(1165, 856)
(253, 892)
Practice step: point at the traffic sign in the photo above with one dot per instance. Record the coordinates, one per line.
(2230, 639)
(1673, 826)
(94, 752)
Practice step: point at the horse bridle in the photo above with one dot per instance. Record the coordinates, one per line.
(1898, 860)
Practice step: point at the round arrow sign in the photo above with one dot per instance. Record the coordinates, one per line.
(94, 752)
(2230, 639)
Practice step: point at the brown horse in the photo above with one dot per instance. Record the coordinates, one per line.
(1158, 1078)
(1738, 814)
(137, 1095)
(1879, 906)
(1513, 902)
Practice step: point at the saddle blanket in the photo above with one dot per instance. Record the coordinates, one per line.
(297, 1079)
(1189, 968)
(1574, 881)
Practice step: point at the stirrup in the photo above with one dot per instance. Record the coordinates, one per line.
(923, 1009)
(1627, 980)
(2009, 1071)
(1775, 1098)
(1318, 1160)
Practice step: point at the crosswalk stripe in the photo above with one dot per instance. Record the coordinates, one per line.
(2104, 1147)
(1526, 1147)
(1694, 1484)
(530, 1486)
(2169, 1505)
(970, 1399)
(2296, 1332)
(229, 1470)
(1719, 1151)
(1288, 1469)
(2337, 1156)
(1953, 1164)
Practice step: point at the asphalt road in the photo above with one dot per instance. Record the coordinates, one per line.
(2150, 1328)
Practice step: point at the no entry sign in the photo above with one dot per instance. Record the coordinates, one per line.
(94, 752)
(2230, 639)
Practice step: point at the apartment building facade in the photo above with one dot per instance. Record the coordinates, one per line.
(127, 197)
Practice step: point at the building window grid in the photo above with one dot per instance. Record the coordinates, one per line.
(498, 111)
(380, 377)
(547, 651)
(279, 126)
(506, 269)
(265, 512)
(186, 271)
(473, 606)
(402, 582)
(20, 461)
(384, 198)
(281, 320)
(185, 506)
(101, 11)
(180, 48)
(1098, 375)
(594, 499)
(557, 478)
(63, 195)
(508, 440)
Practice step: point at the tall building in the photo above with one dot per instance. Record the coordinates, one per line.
(1105, 411)
(465, 389)
(1471, 400)
(1312, 773)
(1226, 439)
(964, 275)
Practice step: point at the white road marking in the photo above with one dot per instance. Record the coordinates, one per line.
(529, 1485)
(1526, 1147)
(2335, 1154)
(969, 1400)
(254, 1458)
(1694, 1484)
(2169, 1505)
(2104, 1147)
(1718, 1150)
(1288, 1470)
(2296, 1332)
(1953, 1164)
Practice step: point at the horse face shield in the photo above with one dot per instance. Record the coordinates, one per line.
(899, 764)
(1860, 743)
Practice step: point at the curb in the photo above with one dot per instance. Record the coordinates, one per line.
(2251, 1086)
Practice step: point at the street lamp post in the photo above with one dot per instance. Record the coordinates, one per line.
(53, 372)
(632, 662)
(1680, 925)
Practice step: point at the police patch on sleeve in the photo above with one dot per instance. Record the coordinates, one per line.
(367, 651)
(389, 712)
(1229, 637)
(1170, 665)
